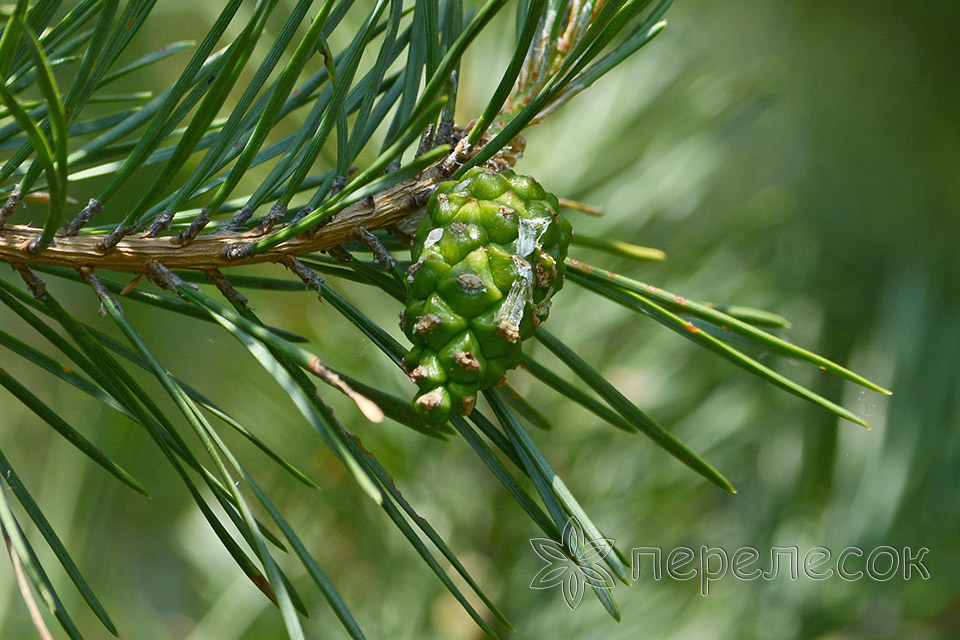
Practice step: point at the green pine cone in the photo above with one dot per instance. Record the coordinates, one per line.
(488, 258)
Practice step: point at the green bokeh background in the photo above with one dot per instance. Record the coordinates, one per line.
(795, 156)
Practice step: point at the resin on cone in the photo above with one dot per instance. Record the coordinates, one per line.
(488, 257)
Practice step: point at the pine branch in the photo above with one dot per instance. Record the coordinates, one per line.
(562, 47)
(384, 210)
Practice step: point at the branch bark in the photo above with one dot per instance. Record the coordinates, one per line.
(135, 253)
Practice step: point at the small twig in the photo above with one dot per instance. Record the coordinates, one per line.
(445, 131)
(160, 224)
(167, 279)
(380, 252)
(310, 277)
(13, 201)
(340, 254)
(300, 215)
(338, 184)
(426, 142)
(91, 278)
(228, 290)
(237, 221)
(190, 234)
(37, 286)
(277, 212)
(103, 294)
(73, 227)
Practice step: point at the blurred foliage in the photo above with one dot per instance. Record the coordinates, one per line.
(788, 156)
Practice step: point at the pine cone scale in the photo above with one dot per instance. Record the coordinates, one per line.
(488, 258)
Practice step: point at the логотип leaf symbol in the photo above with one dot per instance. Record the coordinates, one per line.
(576, 554)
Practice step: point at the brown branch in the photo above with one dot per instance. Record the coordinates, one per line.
(135, 253)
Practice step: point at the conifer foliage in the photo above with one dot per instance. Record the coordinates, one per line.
(340, 196)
